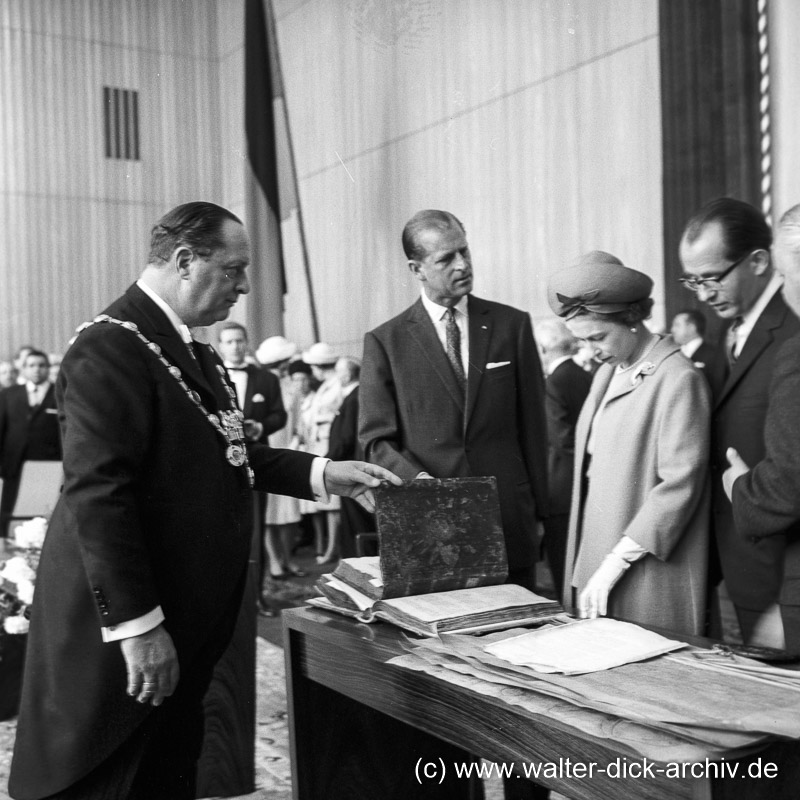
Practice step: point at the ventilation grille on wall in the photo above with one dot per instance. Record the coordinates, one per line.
(121, 114)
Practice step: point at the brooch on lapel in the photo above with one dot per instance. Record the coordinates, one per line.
(648, 368)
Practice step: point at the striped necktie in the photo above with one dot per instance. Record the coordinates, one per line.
(453, 338)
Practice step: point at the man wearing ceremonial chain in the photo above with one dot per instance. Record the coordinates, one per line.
(143, 569)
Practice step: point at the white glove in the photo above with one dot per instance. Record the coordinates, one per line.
(593, 600)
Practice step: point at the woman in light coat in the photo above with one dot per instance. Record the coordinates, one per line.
(638, 537)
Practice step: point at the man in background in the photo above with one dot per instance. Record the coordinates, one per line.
(343, 445)
(28, 428)
(725, 253)
(689, 330)
(766, 499)
(566, 387)
(258, 393)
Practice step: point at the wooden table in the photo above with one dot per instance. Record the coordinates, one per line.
(360, 729)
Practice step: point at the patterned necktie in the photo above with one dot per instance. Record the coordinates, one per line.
(454, 348)
(730, 341)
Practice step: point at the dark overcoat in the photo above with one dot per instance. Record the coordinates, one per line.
(152, 513)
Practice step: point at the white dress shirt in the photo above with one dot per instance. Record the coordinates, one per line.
(36, 392)
(437, 315)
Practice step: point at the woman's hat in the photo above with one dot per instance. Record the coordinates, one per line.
(320, 355)
(598, 282)
(275, 349)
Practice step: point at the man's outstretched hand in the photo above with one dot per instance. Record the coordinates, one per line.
(356, 479)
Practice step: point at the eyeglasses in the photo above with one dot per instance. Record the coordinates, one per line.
(714, 282)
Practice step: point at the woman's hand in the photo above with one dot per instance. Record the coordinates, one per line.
(593, 600)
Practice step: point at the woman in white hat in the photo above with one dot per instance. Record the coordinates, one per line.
(637, 547)
(283, 512)
(318, 415)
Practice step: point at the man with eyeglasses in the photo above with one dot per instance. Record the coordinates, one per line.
(142, 572)
(725, 251)
(766, 501)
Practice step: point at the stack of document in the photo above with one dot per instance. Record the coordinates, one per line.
(679, 706)
(583, 646)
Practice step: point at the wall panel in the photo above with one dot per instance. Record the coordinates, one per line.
(75, 223)
(537, 123)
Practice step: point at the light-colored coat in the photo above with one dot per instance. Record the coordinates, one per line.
(647, 479)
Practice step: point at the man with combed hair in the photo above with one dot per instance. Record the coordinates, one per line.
(453, 387)
(766, 498)
(144, 564)
(725, 252)
(566, 388)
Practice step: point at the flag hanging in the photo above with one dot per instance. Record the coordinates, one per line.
(271, 196)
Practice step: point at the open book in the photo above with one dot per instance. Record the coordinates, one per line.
(442, 564)
(485, 608)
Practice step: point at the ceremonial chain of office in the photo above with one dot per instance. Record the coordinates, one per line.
(228, 424)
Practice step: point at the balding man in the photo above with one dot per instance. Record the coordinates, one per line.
(766, 500)
(725, 253)
(142, 572)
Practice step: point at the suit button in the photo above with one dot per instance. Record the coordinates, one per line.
(104, 613)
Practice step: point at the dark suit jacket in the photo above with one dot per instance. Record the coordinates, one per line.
(151, 514)
(343, 442)
(413, 418)
(752, 568)
(27, 434)
(267, 408)
(565, 391)
(766, 501)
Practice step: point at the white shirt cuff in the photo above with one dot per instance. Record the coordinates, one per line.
(134, 627)
(318, 488)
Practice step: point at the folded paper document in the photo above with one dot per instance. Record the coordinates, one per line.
(583, 646)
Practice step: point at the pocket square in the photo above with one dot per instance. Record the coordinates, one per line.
(51, 411)
(258, 398)
(496, 364)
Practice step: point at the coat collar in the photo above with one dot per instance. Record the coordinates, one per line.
(162, 332)
(760, 338)
(424, 334)
(664, 348)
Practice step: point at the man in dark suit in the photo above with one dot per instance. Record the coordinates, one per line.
(566, 388)
(142, 571)
(258, 393)
(725, 252)
(28, 428)
(343, 445)
(453, 387)
(689, 330)
(766, 500)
